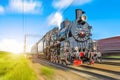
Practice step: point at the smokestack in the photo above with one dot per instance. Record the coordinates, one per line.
(79, 13)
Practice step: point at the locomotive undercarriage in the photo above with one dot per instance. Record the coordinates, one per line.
(65, 52)
(68, 52)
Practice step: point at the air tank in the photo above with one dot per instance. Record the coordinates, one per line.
(64, 26)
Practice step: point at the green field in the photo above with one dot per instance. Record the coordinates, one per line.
(15, 67)
(48, 72)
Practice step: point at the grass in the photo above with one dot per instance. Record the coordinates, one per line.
(15, 67)
(48, 72)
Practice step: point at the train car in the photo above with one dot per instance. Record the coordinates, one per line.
(34, 49)
(72, 42)
(109, 46)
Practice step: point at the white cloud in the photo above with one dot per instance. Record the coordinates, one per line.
(65, 3)
(81, 2)
(55, 19)
(61, 3)
(11, 45)
(1, 9)
(26, 6)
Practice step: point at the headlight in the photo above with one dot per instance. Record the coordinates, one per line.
(83, 17)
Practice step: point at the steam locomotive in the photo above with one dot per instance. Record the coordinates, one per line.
(69, 43)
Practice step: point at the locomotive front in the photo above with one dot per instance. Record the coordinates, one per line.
(75, 37)
(81, 31)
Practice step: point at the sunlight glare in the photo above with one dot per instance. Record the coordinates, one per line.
(11, 45)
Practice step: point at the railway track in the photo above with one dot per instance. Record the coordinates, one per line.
(101, 73)
(100, 69)
(90, 72)
(112, 63)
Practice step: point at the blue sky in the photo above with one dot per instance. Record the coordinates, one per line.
(19, 17)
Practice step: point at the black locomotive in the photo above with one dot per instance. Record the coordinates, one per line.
(71, 42)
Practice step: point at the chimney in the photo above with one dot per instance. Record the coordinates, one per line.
(79, 13)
